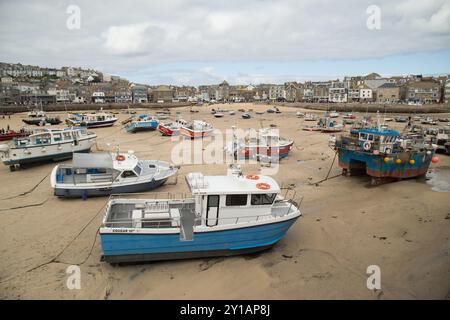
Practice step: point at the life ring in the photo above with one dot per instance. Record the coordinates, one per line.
(263, 186)
(120, 157)
(252, 177)
(367, 145)
(388, 151)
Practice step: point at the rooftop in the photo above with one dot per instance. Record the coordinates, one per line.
(230, 184)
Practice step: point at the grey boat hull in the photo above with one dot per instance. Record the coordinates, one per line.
(100, 192)
(150, 257)
(47, 158)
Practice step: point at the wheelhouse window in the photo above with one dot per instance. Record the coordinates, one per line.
(128, 174)
(57, 137)
(236, 200)
(262, 199)
(137, 169)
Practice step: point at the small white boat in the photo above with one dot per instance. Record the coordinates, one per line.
(218, 115)
(329, 126)
(231, 112)
(46, 145)
(428, 120)
(300, 114)
(92, 120)
(227, 215)
(311, 117)
(171, 128)
(101, 174)
(333, 114)
(37, 114)
(197, 129)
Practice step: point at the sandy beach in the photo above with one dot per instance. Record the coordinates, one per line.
(403, 227)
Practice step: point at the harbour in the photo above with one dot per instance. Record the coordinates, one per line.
(401, 226)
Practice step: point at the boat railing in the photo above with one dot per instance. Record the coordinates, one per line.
(152, 196)
(290, 197)
(176, 222)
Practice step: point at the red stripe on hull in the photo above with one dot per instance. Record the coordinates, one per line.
(404, 173)
(195, 134)
(247, 151)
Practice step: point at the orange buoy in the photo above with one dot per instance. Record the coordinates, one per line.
(120, 157)
(435, 159)
(252, 177)
(263, 186)
(386, 159)
(398, 161)
(412, 161)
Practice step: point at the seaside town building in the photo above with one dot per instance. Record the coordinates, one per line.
(26, 84)
(390, 93)
(337, 92)
(424, 91)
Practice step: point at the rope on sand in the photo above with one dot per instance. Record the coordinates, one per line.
(26, 206)
(55, 259)
(27, 192)
(328, 174)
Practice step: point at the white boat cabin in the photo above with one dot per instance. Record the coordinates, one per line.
(221, 202)
(99, 167)
(51, 136)
(224, 199)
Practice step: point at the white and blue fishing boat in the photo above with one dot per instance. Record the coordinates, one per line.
(98, 119)
(142, 122)
(226, 215)
(101, 174)
(46, 145)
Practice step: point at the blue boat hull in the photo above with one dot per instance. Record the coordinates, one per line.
(99, 192)
(151, 247)
(142, 126)
(375, 165)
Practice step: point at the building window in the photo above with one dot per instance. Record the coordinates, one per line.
(236, 200)
(261, 199)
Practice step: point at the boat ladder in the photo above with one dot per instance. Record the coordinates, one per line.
(187, 220)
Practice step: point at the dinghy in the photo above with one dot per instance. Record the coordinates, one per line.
(42, 121)
(171, 128)
(11, 134)
(196, 129)
(226, 215)
(102, 174)
(142, 122)
(265, 143)
(92, 120)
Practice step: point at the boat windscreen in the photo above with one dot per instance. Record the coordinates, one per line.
(138, 169)
(92, 160)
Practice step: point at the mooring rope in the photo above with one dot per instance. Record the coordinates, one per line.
(328, 174)
(27, 192)
(55, 259)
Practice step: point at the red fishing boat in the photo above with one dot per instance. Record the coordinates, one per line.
(171, 128)
(197, 129)
(10, 134)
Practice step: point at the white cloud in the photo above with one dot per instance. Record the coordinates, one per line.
(128, 39)
(121, 37)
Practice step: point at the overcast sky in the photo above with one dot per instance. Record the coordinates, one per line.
(253, 41)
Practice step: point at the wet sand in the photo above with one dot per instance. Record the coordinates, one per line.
(403, 227)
